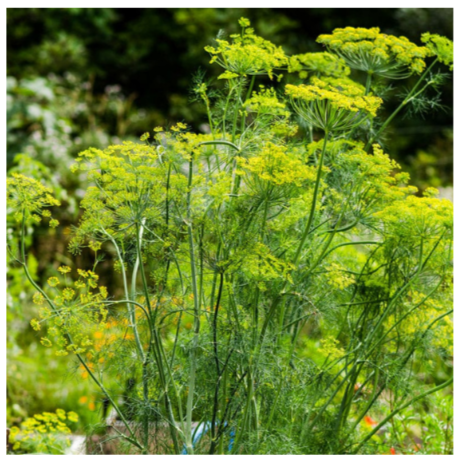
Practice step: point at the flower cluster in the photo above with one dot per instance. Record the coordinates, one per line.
(417, 217)
(377, 171)
(377, 53)
(330, 348)
(318, 63)
(332, 106)
(247, 54)
(272, 119)
(28, 198)
(426, 310)
(338, 278)
(70, 311)
(257, 263)
(276, 165)
(265, 101)
(439, 46)
(126, 177)
(40, 432)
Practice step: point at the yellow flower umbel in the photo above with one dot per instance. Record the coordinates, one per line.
(268, 111)
(29, 198)
(42, 433)
(265, 101)
(318, 63)
(376, 53)
(275, 165)
(247, 54)
(332, 106)
(439, 46)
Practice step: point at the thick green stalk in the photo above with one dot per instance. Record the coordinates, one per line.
(195, 341)
(248, 95)
(236, 112)
(225, 111)
(145, 379)
(314, 200)
(368, 82)
(126, 293)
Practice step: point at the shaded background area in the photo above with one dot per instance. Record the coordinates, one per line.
(91, 77)
(120, 72)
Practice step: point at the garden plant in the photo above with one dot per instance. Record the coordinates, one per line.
(282, 287)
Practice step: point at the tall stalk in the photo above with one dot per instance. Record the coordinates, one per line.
(195, 341)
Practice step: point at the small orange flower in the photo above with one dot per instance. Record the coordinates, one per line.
(91, 406)
(83, 400)
(370, 421)
(392, 451)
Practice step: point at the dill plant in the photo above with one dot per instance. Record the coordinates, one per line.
(277, 284)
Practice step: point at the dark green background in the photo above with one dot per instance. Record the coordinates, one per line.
(153, 54)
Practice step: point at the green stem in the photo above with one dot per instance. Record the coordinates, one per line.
(368, 82)
(406, 100)
(220, 142)
(225, 111)
(195, 341)
(278, 299)
(314, 200)
(131, 439)
(236, 113)
(248, 95)
(126, 293)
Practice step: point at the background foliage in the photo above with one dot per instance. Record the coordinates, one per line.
(78, 52)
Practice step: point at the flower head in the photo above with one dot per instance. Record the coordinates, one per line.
(439, 46)
(334, 105)
(319, 64)
(377, 53)
(29, 197)
(247, 54)
(276, 165)
(265, 101)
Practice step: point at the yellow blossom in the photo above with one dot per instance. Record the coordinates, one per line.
(377, 53)
(53, 281)
(332, 107)
(38, 298)
(64, 269)
(247, 54)
(439, 46)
